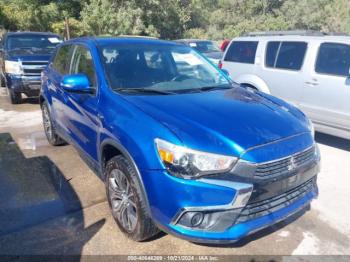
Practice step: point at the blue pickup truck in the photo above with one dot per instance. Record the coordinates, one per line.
(23, 55)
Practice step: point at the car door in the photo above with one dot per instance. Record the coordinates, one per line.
(283, 69)
(58, 68)
(80, 114)
(326, 92)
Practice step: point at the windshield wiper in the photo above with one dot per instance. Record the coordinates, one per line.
(209, 88)
(144, 90)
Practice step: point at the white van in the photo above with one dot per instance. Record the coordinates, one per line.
(307, 69)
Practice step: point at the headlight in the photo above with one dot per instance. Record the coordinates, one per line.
(13, 67)
(311, 128)
(187, 163)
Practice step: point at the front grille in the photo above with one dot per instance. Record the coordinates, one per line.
(267, 206)
(285, 165)
(33, 68)
(32, 71)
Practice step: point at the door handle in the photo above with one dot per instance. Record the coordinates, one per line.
(311, 83)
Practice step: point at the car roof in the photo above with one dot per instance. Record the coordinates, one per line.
(295, 38)
(193, 40)
(121, 40)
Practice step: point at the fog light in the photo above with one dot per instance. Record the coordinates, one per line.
(197, 219)
(214, 221)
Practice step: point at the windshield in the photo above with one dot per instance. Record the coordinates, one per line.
(32, 43)
(205, 46)
(166, 68)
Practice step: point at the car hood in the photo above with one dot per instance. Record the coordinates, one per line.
(214, 55)
(223, 121)
(27, 57)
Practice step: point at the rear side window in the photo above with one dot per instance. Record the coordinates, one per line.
(242, 52)
(62, 60)
(271, 53)
(333, 59)
(285, 55)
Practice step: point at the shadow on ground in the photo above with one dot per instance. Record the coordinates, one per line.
(40, 213)
(333, 141)
(30, 100)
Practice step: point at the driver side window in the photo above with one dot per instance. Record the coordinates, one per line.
(82, 63)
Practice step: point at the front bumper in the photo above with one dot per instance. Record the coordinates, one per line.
(30, 85)
(227, 197)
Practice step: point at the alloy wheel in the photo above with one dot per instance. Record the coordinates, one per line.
(122, 200)
(47, 122)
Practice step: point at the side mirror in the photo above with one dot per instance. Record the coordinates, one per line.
(77, 83)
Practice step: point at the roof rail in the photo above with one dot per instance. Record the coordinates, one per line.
(138, 36)
(280, 33)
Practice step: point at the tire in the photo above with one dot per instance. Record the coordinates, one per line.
(126, 200)
(2, 81)
(15, 97)
(49, 128)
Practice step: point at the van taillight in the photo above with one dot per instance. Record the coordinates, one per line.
(220, 64)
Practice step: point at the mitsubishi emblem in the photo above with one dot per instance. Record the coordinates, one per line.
(292, 165)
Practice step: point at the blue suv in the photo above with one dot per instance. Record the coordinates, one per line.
(179, 145)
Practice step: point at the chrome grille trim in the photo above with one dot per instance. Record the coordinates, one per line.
(247, 169)
(33, 68)
(286, 164)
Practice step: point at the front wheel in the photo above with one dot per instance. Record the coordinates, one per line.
(126, 200)
(49, 129)
(15, 97)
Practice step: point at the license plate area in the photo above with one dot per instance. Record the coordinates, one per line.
(34, 87)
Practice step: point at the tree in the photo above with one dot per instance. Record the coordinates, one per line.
(337, 16)
(169, 19)
(112, 17)
(29, 15)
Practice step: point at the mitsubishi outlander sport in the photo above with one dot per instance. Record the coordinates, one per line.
(179, 146)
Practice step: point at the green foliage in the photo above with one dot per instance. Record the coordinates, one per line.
(75, 28)
(106, 17)
(196, 33)
(169, 19)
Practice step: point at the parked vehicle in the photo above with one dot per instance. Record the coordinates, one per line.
(208, 48)
(179, 146)
(308, 69)
(23, 55)
(224, 45)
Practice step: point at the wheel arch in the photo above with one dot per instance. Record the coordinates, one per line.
(110, 148)
(253, 81)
